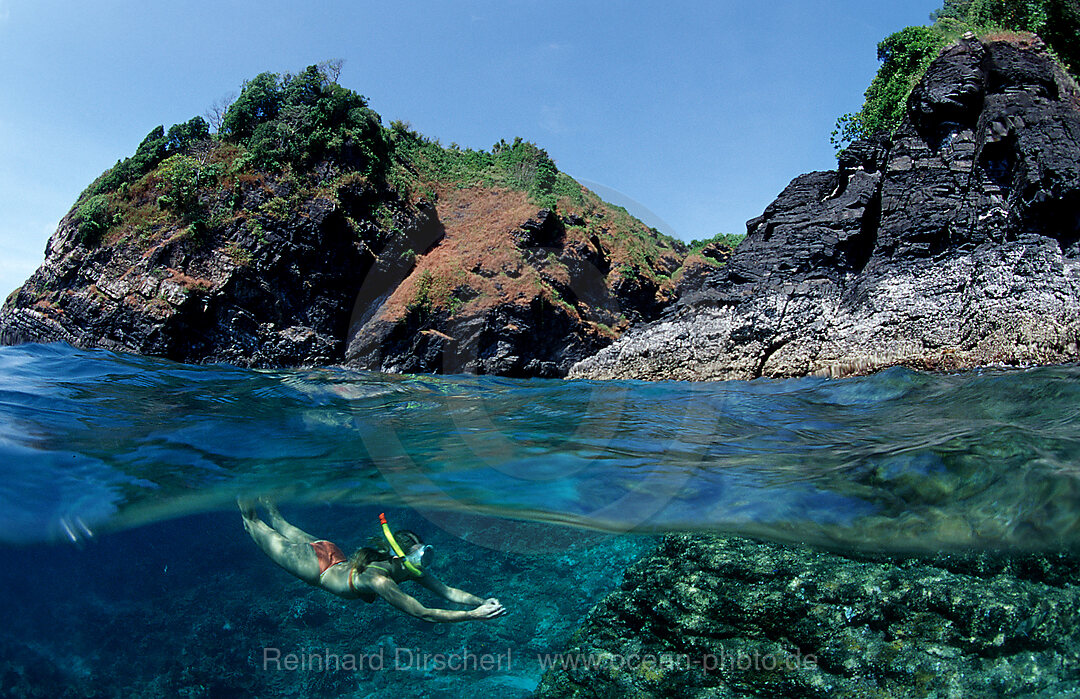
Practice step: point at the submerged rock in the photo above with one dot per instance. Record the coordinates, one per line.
(728, 617)
(955, 243)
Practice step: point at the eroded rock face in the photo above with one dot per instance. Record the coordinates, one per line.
(728, 617)
(954, 244)
(273, 294)
(479, 281)
(509, 290)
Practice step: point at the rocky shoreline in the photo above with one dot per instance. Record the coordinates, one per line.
(954, 244)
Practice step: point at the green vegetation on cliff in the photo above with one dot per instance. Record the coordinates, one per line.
(154, 148)
(730, 240)
(520, 165)
(303, 120)
(305, 134)
(906, 54)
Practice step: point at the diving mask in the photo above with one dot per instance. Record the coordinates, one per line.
(421, 557)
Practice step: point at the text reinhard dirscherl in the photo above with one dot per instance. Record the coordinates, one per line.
(468, 661)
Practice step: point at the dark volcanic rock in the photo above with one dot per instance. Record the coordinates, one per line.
(728, 617)
(517, 340)
(544, 230)
(954, 244)
(264, 290)
(357, 275)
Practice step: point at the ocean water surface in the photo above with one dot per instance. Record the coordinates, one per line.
(127, 572)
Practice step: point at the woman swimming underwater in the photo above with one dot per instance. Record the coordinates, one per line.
(370, 573)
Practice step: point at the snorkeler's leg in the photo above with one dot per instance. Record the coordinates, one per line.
(297, 558)
(290, 532)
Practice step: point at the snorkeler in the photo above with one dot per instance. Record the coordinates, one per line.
(369, 573)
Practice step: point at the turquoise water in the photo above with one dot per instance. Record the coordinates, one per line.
(126, 571)
(95, 441)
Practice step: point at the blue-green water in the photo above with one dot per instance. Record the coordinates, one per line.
(96, 441)
(126, 571)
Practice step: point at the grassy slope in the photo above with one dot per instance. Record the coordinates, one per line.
(478, 264)
(482, 198)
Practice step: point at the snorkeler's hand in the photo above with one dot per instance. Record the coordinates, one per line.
(489, 609)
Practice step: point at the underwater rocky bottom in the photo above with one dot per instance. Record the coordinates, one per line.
(191, 608)
(714, 616)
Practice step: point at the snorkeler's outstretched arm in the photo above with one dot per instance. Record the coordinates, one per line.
(451, 594)
(389, 591)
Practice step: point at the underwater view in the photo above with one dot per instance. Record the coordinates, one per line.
(128, 572)
(340, 355)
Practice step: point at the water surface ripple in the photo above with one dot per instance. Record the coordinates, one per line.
(899, 460)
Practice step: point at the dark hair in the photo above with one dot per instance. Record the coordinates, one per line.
(362, 557)
(380, 549)
(407, 539)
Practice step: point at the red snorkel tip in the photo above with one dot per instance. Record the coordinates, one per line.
(382, 518)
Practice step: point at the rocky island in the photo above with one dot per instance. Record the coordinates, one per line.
(303, 232)
(953, 243)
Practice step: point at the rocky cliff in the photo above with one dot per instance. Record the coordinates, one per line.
(513, 290)
(306, 233)
(272, 286)
(954, 243)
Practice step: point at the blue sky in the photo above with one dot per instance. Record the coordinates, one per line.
(696, 114)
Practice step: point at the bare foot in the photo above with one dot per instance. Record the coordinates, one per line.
(270, 506)
(247, 508)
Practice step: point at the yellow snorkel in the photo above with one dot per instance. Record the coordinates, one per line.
(397, 547)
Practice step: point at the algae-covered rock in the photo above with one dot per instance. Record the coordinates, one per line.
(711, 616)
